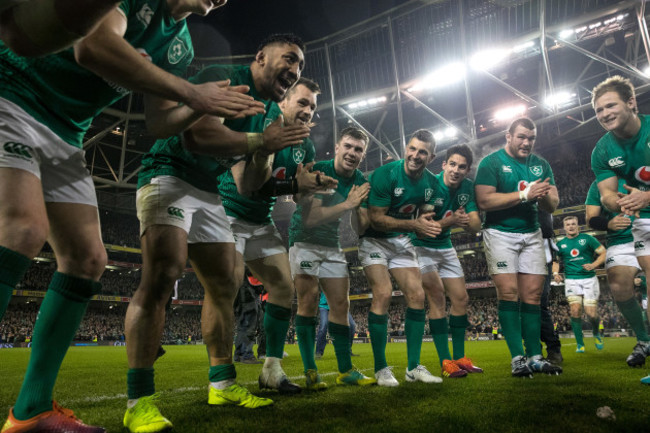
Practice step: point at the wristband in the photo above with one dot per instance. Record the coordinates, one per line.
(254, 141)
(556, 273)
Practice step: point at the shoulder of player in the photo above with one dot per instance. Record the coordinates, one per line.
(324, 165)
(218, 73)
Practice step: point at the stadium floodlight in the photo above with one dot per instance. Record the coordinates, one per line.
(438, 135)
(451, 132)
(510, 112)
(441, 77)
(566, 33)
(558, 98)
(371, 102)
(646, 71)
(489, 58)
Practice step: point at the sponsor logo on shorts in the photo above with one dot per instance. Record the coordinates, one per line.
(298, 155)
(375, 255)
(177, 50)
(610, 260)
(463, 199)
(506, 169)
(639, 245)
(145, 14)
(536, 170)
(616, 162)
(176, 212)
(398, 191)
(642, 174)
(502, 265)
(18, 150)
(306, 264)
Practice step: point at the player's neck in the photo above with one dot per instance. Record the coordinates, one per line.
(572, 236)
(630, 129)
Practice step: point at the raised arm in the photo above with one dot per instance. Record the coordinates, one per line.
(319, 214)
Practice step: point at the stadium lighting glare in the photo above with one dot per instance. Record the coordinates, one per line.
(488, 58)
(566, 33)
(367, 103)
(451, 132)
(510, 112)
(646, 71)
(558, 98)
(438, 135)
(441, 77)
(521, 47)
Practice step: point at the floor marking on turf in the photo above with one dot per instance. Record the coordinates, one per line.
(102, 398)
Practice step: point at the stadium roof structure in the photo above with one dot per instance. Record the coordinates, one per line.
(461, 68)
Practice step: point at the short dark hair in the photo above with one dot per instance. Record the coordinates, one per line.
(426, 136)
(463, 150)
(526, 122)
(282, 38)
(570, 217)
(354, 132)
(308, 83)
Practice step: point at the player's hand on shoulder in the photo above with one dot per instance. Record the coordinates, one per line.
(221, 99)
(313, 181)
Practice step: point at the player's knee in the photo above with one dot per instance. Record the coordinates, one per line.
(25, 236)
(415, 299)
(88, 261)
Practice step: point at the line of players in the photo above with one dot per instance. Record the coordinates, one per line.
(47, 194)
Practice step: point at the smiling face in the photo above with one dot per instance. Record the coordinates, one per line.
(520, 143)
(349, 152)
(455, 169)
(280, 65)
(299, 106)
(418, 156)
(614, 114)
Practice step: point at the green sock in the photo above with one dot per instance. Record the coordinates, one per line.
(276, 325)
(576, 325)
(139, 383)
(440, 333)
(341, 339)
(56, 324)
(222, 372)
(414, 330)
(13, 266)
(510, 320)
(378, 330)
(595, 321)
(632, 312)
(306, 332)
(458, 325)
(531, 328)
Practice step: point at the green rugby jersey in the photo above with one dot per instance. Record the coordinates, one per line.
(628, 159)
(614, 237)
(65, 97)
(508, 174)
(168, 157)
(325, 234)
(258, 210)
(446, 203)
(575, 253)
(390, 187)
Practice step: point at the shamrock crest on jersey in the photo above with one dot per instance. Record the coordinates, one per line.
(298, 154)
(536, 170)
(463, 199)
(582, 241)
(177, 50)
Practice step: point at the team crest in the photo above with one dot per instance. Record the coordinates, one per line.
(428, 193)
(536, 170)
(582, 241)
(463, 199)
(177, 50)
(298, 154)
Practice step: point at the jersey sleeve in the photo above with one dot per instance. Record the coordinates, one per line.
(380, 184)
(593, 243)
(126, 6)
(311, 151)
(471, 205)
(548, 172)
(599, 164)
(212, 73)
(593, 196)
(485, 174)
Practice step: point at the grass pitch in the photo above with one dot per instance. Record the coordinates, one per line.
(93, 383)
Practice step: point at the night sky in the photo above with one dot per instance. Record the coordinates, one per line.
(238, 27)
